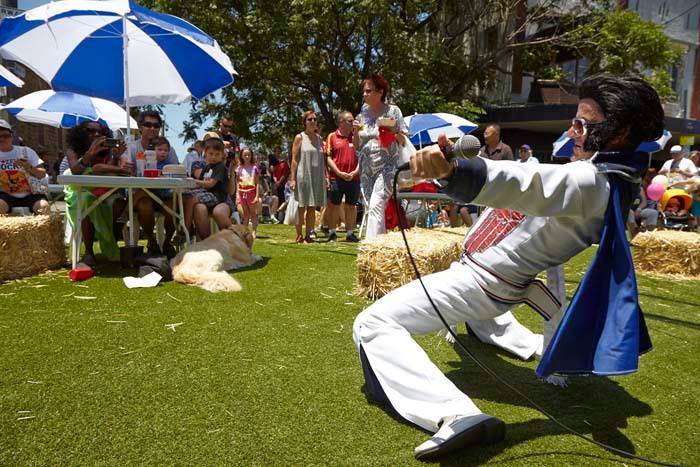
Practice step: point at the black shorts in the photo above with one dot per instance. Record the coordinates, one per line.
(26, 202)
(340, 188)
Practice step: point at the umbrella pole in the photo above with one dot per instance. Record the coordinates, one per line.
(125, 49)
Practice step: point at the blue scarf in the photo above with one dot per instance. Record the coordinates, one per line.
(603, 330)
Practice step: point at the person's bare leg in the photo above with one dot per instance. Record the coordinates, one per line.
(88, 234)
(255, 212)
(300, 221)
(466, 217)
(350, 217)
(118, 208)
(246, 215)
(273, 206)
(201, 220)
(454, 215)
(222, 215)
(188, 204)
(324, 217)
(310, 220)
(169, 227)
(146, 216)
(332, 214)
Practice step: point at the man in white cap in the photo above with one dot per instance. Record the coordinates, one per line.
(678, 166)
(17, 163)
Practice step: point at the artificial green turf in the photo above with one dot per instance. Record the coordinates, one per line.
(270, 376)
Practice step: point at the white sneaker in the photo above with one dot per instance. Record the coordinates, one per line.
(460, 431)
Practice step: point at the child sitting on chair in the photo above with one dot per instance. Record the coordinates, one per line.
(210, 197)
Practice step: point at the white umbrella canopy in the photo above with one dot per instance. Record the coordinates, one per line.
(66, 110)
(116, 50)
(425, 128)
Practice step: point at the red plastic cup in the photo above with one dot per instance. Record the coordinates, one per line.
(81, 273)
(152, 173)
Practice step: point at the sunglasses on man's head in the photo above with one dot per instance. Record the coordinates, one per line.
(150, 125)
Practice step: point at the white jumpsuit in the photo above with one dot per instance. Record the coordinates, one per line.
(562, 210)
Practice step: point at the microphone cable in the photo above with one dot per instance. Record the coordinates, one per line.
(492, 373)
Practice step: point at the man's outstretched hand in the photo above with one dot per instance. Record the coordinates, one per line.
(430, 162)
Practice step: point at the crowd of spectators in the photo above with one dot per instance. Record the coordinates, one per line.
(346, 173)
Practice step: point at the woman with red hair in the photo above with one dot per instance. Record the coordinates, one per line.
(379, 129)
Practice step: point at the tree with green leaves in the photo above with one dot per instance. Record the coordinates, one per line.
(614, 40)
(438, 55)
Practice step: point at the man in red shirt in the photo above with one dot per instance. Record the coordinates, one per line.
(344, 171)
(280, 174)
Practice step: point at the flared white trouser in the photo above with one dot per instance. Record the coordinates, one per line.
(401, 370)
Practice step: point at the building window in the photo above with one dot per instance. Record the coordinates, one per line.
(675, 77)
(575, 70)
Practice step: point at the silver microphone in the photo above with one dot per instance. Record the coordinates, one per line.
(466, 147)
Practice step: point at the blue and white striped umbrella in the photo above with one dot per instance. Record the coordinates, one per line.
(656, 146)
(85, 46)
(66, 110)
(8, 79)
(425, 128)
(564, 146)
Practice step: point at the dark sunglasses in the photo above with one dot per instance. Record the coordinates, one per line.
(150, 125)
(311, 119)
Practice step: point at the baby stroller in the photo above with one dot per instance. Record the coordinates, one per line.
(675, 200)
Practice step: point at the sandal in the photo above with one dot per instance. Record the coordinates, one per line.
(300, 239)
(308, 239)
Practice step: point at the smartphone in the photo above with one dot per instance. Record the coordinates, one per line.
(111, 143)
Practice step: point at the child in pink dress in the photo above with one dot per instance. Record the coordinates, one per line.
(247, 178)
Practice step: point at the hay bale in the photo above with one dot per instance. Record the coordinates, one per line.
(30, 245)
(383, 265)
(667, 252)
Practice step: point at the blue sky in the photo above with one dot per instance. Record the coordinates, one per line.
(174, 114)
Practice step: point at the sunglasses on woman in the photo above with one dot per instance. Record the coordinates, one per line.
(150, 125)
(579, 126)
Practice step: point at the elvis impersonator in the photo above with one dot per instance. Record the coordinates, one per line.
(539, 217)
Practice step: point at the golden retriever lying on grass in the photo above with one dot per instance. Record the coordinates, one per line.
(205, 263)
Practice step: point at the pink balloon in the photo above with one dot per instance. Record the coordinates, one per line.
(655, 191)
